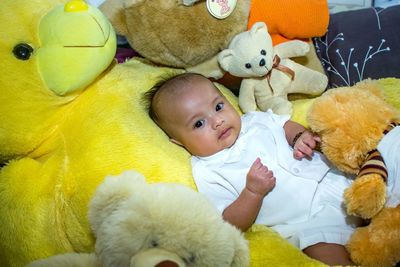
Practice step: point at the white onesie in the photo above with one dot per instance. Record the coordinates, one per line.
(305, 206)
(389, 147)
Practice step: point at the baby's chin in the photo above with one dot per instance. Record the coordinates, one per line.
(218, 150)
(208, 153)
(231, 140)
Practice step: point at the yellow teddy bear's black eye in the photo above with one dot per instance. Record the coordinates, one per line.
(248, 66)
(22, 51)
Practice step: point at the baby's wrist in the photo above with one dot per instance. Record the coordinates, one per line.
(297, 136)
(253, 193)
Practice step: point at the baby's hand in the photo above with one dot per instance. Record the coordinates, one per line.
(305, 145)
(260, 180)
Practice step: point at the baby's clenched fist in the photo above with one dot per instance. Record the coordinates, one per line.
(260, 180)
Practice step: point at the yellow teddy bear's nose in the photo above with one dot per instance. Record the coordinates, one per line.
(76, 6)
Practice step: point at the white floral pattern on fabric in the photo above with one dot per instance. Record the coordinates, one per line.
(361, 44)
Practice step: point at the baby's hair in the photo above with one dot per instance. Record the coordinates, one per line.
(169, 82)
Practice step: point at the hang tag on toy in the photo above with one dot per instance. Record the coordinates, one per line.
(221, 9)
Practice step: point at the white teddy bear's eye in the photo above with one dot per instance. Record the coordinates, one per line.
(263, 52)
(248, 66)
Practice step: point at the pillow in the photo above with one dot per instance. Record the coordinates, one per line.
(290, 19)
(361, 44)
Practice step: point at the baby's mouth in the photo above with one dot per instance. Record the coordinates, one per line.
(225, 133)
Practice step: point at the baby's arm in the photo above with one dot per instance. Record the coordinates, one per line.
(244, 210)
(302, 140)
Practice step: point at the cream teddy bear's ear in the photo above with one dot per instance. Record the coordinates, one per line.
(111, 193)
(257, 27)
(225, 59)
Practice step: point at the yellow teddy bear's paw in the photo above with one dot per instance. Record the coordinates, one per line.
(366, 196)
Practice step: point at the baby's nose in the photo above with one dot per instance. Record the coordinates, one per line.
(218, 121)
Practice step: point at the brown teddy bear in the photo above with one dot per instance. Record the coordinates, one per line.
(170, 33)
(360, 135)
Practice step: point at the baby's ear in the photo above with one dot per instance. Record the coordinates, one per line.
(175, 141)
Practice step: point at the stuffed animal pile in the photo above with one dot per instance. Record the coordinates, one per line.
(141, 225)
(68, 119)
(184, 34)
(269, 75)
(358, 130)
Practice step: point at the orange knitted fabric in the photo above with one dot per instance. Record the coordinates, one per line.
(291, 19)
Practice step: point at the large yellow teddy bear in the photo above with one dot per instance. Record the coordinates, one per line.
(69, 117)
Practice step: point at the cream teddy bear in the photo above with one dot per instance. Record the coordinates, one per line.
(143, 225)
(269, 75)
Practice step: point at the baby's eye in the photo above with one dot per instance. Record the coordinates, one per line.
(219, 106)
(198, 124)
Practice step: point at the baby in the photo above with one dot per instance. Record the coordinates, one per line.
(256, 168)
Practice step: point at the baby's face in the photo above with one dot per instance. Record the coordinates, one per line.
(203, 120)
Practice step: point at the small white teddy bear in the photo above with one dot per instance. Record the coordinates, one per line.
(163, 224)
(268, 73)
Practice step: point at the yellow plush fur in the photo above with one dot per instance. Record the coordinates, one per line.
(351, 122)
(58, 145)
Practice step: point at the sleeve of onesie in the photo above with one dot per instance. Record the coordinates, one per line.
(213, 186)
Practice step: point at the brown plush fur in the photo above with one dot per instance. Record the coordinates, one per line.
(346, 143)
(169, 33)
(351, 122)
(373, 245)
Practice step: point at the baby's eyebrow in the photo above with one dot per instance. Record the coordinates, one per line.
(191, 118)
(219, 98)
